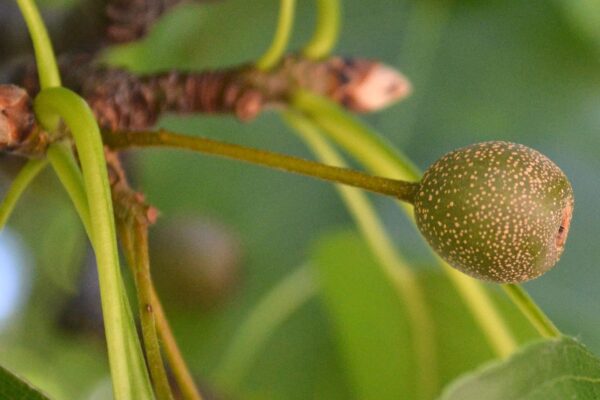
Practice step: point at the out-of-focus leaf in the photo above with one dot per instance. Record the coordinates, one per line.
(217, 29)
(372, 329)
(13, 387)
(547, 370)
(373, 332)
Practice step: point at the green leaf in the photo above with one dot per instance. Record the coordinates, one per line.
(548, 370)
(372, 333)
(372, 330)
(13, 387)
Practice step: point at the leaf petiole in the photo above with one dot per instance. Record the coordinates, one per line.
(402, 190)
(282, 36)
(327, 31)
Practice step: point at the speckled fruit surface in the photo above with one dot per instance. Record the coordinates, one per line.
(496, 211)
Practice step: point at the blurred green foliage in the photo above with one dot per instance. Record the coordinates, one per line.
(502, 70)
(11, 387)
(373, 329)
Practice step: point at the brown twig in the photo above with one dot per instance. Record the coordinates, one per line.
(19, 133)
(125, 101)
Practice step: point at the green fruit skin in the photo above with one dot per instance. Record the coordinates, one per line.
(496, 211)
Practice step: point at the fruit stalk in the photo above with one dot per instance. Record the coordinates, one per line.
(402, 190)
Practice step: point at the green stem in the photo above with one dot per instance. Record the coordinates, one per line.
(181, 372)
(282, 36)
(134, 237)
(327, 31)
(18, 186)
(532, 311)
(59, 155)
(44, 55)
(493, 325)
(379, 157)
(402, 190)
(392, 263)
(372, 150)
(64, 164)
(270, 312)
(129, 382)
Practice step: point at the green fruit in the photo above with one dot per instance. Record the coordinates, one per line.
(496, 211)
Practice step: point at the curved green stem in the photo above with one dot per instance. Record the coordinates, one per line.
(392, 263)
(327, 30)
(402, 190)
(46, 61)
(532, 311)
(130, 380)
(282, 36)
(134, 237)
(379, 157)
(18, 186)
(65, 166)
(271, 311)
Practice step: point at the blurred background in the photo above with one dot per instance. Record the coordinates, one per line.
(228, 233)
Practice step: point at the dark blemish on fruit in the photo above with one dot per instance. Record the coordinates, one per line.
(563, 230)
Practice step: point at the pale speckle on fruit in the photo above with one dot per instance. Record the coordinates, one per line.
(497, 211)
